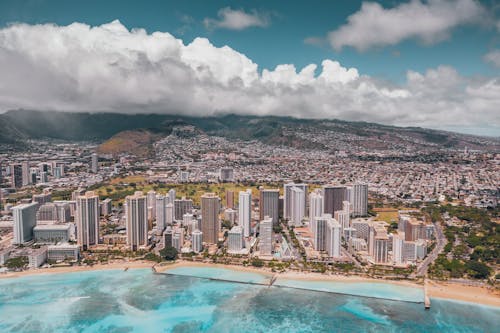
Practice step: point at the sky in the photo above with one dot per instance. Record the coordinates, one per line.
(428, 63)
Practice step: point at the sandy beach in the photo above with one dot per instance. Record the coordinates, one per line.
(442, 290)
(57, 270)
(480, 295)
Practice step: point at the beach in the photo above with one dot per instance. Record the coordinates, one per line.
(435, 289)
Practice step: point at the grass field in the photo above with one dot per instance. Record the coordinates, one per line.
(118, 188)
(387, 214)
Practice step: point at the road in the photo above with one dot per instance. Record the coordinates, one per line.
(441, 242)
(351, 257)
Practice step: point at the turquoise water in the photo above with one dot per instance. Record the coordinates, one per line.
(139, 301)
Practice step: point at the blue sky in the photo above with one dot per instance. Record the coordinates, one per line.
(282, 41)
(280, 36)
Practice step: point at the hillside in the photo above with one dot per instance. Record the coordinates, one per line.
(20, 125)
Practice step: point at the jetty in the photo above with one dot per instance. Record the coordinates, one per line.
(427, 299)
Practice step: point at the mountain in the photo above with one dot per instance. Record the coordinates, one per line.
(17, 126)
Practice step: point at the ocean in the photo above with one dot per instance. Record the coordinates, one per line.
(139, 301)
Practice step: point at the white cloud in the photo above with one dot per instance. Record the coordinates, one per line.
(111, 68)
(493, 57)
(429, 21)
(237, 19)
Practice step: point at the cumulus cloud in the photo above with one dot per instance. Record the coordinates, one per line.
(429, 21)
(110, 68)
(493, 57)
(233, 19)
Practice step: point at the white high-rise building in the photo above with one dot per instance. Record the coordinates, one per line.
(287, 206)
(319, 233)
(397, 249)
(360, 200)
(94, 163)
(24, 221)
(87, 219)
(235, 241)
(187, 220)
(343, 216)
(169, 214)
(151, 202)
(178, 238)
(245, 211)
(137, 221)
(315, 206)
(333, 238)
(171, 195)
(161, 213)
(197, 241)
(297, 206)
(266, 236)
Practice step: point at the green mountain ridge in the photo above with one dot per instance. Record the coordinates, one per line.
(17, 126)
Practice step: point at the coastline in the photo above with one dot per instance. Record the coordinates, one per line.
(435, 289)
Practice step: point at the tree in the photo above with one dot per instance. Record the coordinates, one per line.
(17, 262)
(169, 253)
(256, 262)
(477, 269)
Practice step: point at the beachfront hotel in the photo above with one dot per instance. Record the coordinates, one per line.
(24, 221)
(210, 205)
(136, 213)
(87, 219)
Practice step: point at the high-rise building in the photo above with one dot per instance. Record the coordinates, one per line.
(24, 221)
(333, 198)
(26, 174)
(197, 241)
(42, 198)
(315, 206)
(229, 199)
(106, 207)
(381, 248)
(360, 200)
(169, 214)
(235, 241)
(266, 236)
(362, 229)
(297, 206)
(136, 213)
(287, 209)
(16, 173)
(171, 197)
(226, 174)
(167, 237)
(333, 238)
(269, 204)
(161, 213)
(230, 215)
(151, 202)
(178, 239)
(342, 216)
(87, 219)
(319, 234)
(181, 207)
(210, 205)
(245, 211)
(94, 163)
(397, 249)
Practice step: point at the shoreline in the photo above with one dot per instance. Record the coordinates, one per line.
(435, 289)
